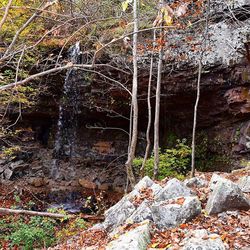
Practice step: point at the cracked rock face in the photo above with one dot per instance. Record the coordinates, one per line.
(116, 215)
(226, 195)
(143, 212)
(170, 215)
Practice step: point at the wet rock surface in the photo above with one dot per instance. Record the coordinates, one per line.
(223, 109)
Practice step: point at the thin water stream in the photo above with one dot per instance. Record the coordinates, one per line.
(68, 110)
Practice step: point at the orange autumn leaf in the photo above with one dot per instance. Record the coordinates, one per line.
(183, 226)
(180, 201)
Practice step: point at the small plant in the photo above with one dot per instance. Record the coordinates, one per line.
(72, 228)
(17, 198)
(38, 232)
(174, 162)
(9, 153)
(59, 211)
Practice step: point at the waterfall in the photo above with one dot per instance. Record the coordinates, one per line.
(68, 110)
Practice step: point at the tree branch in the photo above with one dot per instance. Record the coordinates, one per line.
(25, 25)
(6, 12)
(54, 70)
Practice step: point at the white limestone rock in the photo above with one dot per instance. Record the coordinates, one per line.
(136, 239)
(195, 182)
(244, 184)
(215, 178)
(174, 188)
(143, 212)
(116, 215)
(145, 182)
(226, 196)
(201, 240)
(156, 188)
(171, 214)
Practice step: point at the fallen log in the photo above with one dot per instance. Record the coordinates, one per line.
(47, 214)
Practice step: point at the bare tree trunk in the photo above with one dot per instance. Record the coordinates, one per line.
(6, 12)
(195, 120)
(132, 149)
(130, 126)
(129, 140)
(149, 109)
(157, 109)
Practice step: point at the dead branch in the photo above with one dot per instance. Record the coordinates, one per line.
(46, 214)
(54, 70)
(33, 213)
(6, 12)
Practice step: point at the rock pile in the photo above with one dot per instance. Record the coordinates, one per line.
(150, 206)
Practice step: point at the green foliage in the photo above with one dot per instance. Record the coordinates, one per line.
(37, 233)
(9, 153)
(71, 228)
(17, 198)
(174, 162)
(59, 211)
(17, 17)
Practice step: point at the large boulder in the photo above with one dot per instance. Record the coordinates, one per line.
(201, 240)
(116, 215)
(136, 239)
(143, 212)
(226, 196)
(171, 213)
(174, 188)
(244, 184)
(119, 213)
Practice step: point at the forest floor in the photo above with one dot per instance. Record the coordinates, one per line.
(233, 227)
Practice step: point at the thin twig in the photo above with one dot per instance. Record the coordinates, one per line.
(6, 12)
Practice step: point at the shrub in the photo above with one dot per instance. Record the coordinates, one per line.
(174, 162)
(38, 232)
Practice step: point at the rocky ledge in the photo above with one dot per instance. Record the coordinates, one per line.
(204, 212)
